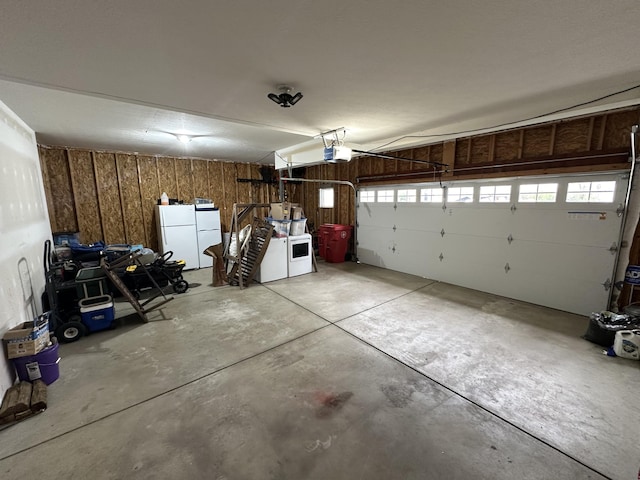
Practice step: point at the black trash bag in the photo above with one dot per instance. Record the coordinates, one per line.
(604, 325)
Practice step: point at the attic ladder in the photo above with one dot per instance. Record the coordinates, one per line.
(246, 266)
(133, 258)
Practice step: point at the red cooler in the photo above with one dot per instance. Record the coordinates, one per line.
(336, 242)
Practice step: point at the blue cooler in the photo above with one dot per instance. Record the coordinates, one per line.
(97, 312)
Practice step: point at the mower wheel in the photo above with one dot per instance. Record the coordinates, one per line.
(70, 332)
(180, 286)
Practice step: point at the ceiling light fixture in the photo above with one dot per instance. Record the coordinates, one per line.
(284, 98)
(184, 138)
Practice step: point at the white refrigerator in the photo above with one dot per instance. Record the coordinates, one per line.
(177, 233)
(208, 228)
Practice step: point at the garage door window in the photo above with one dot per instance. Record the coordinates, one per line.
(591, 192)
(385, 196)
(367, 196)
(538, 193)
(460, 194)
(407, 196)
(431, 195)
(495, 193)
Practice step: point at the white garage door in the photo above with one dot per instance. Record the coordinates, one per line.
(545, 240)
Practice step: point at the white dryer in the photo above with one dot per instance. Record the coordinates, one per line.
(299, 253)
(274, 263)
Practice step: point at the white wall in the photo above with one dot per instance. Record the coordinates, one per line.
(24, 226)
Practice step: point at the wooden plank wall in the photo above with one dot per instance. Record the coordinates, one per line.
(112, 196)
(491, 155)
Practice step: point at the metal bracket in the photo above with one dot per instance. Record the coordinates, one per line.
(507, 268)
(393, 249)
(444, 207)
(394, 228)
(620, 210)
(395, 206)
(510, 239)
(513, 208)
(441, 256)
(442, 232)
(613, 248)
(607, 284)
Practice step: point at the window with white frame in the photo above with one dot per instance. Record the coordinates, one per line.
(538, 193)
(431, 195)
(495, 193)
(407, 196)
(591, 192)
(460, 194)
(326, 198)
(367, 196)
(385, 196)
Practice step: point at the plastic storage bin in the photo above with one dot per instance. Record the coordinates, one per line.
(43, 365)
(280, 227)
(97, 312)
(335, 241)
(297, 227)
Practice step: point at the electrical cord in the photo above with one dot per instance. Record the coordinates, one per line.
(560, 110)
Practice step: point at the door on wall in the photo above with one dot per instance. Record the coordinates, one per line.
(545, 240)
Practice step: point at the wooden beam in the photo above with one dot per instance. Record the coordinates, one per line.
(590, 132)
(39, 396)
(492, 148)
(235, 168)
(521, 144)
(175, 174)
(147, 240)
(73, 189)
(208, 181)
(124, 223)
(98, 193)
(469, 151)
(603, 126)
(160, 190)
(552, 140)
(449, 154)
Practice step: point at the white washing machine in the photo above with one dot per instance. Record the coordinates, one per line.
(299, 255)
(274, 264)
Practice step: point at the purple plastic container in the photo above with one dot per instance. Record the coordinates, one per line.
(43, 365)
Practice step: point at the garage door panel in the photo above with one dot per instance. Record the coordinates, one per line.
(554, 254)
(587, 227)
(465, 248)
(570, 263)
(462, 261)
(417, 252)
(375, 246)
(491, 222)
(583, 297)
(376, 214)
(416, 217)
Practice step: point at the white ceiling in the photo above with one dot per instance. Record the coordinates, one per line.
(125, 75)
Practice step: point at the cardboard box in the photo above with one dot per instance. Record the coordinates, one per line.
(296, 213)
(28, 338)
(280, 211)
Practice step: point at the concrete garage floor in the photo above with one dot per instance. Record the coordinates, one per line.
(353, 372)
